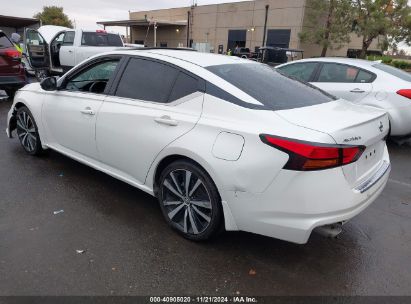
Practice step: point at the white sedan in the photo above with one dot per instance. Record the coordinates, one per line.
(363, 82)
(222, 142)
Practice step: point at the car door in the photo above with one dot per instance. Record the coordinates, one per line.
(69, 114)
(344, 81)
(37, 49)
(152, 105)
(67, 52)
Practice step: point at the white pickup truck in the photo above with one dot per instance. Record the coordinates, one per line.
(53, 50)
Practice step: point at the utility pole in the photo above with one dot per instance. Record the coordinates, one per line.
(155, 33)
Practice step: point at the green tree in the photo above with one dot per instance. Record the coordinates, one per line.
(388, 18)
(328, 23)
(54, 15)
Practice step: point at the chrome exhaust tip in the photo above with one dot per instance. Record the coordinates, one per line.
(330, 231)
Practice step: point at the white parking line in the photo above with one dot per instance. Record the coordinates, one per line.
(399, 183)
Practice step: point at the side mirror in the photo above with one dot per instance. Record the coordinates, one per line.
(49, 84)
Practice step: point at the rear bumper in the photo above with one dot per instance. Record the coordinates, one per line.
(297, 203)
(400, 119)
(12, 82)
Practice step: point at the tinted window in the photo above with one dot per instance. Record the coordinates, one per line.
(4, 41)
(364, 77)
(184, 85)
(69, 38)
(272, 88)
(333, 72)
(302, 71)
(100, 39)
(93, 79)
(147, 80)
(393, 71)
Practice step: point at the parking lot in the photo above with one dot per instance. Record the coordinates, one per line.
(108, 238)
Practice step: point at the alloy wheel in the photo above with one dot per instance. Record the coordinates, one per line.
(187, 201)
(26, 131)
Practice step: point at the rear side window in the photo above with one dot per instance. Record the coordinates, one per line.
(275, 90)
(364, 77)
(302, 71)
(100, 39)
(333, 72)
(147, 80)
(393, 71)
(69, 38)
(4, 41)
(184, 86)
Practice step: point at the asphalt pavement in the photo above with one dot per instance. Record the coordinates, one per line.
(66, 229)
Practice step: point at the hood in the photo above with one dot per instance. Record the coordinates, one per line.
(49, 32)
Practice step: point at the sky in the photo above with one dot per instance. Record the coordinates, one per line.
(85, 13)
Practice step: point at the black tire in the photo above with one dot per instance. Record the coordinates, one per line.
(27, 132)
(197, 205)
(11, 92)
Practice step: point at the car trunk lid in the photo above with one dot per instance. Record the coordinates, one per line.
(347, 124)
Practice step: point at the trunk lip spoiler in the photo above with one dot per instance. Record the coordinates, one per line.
(378, 175)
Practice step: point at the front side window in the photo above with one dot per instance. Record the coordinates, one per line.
(302, 71)
(334, 72)
(69, 38)
(93, 79)
(275, 90)
(147, 80)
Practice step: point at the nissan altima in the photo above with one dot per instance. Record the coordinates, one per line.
(222, 142)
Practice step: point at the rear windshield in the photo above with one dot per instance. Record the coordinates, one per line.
(101, 39)
(393, 71)
(272, 88)
(4, 41)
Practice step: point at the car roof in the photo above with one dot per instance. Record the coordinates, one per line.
(197, 58)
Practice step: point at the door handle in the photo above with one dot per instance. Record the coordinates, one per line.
(166, 120)
(70, 51)
(357, 91)
(88, 111)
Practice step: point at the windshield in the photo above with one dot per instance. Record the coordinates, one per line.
(272, 88)
(393, 71)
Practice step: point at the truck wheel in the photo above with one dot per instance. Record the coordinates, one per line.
(41, 74)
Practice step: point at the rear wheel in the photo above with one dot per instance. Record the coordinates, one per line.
(190, 201)
(27, 132)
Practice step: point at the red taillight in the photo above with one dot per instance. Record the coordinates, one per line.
(307, 156)
(12, 53)
(405, 93)
(101, 31)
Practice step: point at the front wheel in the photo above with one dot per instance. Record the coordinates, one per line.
(190, 201)
(27, 132)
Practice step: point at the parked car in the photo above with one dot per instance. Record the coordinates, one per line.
(363, 82)
(205, 134)
(53, 50)
(242, 52)
(274, 56)
(12, 76)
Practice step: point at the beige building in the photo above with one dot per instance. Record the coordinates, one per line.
(220, 27)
